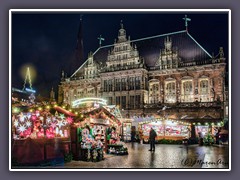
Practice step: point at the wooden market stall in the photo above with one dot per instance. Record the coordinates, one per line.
(40, 137)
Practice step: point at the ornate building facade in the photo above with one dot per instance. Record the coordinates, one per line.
(143, 76)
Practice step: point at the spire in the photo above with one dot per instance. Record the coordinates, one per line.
(79, 47)
(186, 19)
(168, 43)
(221, 53)
(52, 95)
(121, 24)
(62, 74)
(79, 51)
(122, 34)
(90, 58)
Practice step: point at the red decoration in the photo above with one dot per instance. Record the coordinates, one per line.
(64, 111)
(69, 120)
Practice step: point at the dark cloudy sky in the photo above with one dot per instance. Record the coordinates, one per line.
(48, 40)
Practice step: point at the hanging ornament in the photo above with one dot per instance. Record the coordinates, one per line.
(16, 123)
(21, 117)
(28, 123)
(49, 120)
(33, 117)
(56, 114)
(37, 113)
(62, 116)
(60, 124)
(53, 125)
(21, 128)
(69, 120)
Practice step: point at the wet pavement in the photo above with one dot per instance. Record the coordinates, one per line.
(165, 156)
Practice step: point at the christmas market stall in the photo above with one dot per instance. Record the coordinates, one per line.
(40, 135)
(165, 128)
(186, 128)
(97, 133)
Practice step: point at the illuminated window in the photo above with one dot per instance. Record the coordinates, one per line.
(170, 92)
(105, 85)
(131, 83)
(187, 91)
(154, 93)
(204, 91)
(131, 103)
(226, 111)
(123, 103)
(124, 84)
(118, 84)
(110, 85)
(118, 100)
(137, 101)
(137, 83)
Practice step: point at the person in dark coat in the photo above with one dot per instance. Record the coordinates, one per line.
(152, 136)
(133, 134)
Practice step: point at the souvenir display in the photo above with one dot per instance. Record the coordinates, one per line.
(166, 129)
(40, 124)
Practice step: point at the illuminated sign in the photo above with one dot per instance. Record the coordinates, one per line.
(89, 100)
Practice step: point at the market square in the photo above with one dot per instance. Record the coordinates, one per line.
(100, 106)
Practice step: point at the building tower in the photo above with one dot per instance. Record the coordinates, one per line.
(52, 95)
(79, 53)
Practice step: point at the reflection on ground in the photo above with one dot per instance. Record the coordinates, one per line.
(165, 156)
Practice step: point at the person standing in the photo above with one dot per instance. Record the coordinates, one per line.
(152, 136)
(133, 134)
(140, 135)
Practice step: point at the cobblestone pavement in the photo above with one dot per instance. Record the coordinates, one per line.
(165, 156)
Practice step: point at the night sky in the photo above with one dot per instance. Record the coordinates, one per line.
(48, 41)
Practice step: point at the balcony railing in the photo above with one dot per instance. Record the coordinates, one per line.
(184, 105)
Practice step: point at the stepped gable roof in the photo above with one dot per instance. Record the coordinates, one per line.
(149, 49)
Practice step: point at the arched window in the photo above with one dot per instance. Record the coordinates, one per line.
(187, 91)
(170, 92)
(204, 90)
(154, 92)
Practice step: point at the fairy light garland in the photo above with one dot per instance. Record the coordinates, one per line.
(48, 107)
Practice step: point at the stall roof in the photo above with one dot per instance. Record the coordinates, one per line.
(105, 111)
(64, 111)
